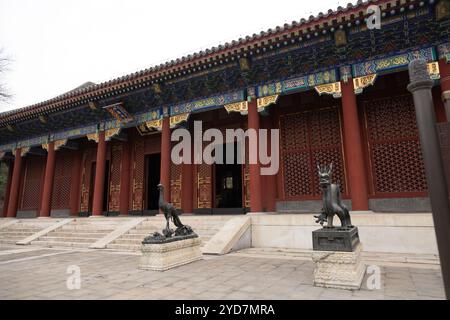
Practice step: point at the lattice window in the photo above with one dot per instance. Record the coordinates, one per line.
(62, 181)
(396, 158)
(31, 195)
(307, 139)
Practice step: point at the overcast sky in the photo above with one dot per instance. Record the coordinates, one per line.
(57, 45)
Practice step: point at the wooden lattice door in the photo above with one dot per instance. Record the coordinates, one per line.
(175, 184)
(137, 190)
(307, 139)
(396, 163)
(204, 186)
(86, 180)
(31, 193)
(114, 183)
(62, 181)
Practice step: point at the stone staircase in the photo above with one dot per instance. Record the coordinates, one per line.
(204, 226)
(23, 228)
(80, 233)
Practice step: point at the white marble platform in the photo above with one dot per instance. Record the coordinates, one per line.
(165, 256)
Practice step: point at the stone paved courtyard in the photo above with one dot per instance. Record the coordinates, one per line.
(41, 273)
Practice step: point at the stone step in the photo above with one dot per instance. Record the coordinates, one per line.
(9, 241)
(277, 253)
(90, 228)
(84, 234)
(23, 229)
(205, 231)
(68, 239)
(149, 227)
(143, 231)
(16, 237)
(128, 241)
(190, 223)
(205, 227)
(101, 219)
(13, 233)
(124, 247)
(195, 228)
(137, 240)
(134, 236)
(60, 244)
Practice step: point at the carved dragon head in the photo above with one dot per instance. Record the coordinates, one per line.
(325, 175)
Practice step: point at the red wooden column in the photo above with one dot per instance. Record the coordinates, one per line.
(15, 185)
(357, 179)
(125, 179)
(99, 186)
(444, 68)
(75, 188)
(254, 169)
(7, 190)
(46, 205)
(165, 158)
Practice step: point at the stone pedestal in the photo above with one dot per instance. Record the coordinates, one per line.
(336, 239)
(168, 255)
(341, 270)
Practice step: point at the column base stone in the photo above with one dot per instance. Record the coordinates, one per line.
(340, 270)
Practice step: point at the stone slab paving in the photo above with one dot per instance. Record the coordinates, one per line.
(44, 274)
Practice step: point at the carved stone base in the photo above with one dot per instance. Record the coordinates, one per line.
(165, 256)
(336, 239)
(341, 270)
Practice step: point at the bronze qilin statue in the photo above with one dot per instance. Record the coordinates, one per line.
(332, 203)
(170, 213)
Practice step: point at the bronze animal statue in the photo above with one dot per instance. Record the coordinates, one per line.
(332, 203)
(170, 213)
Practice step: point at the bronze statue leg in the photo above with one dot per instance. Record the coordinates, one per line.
(330, 221)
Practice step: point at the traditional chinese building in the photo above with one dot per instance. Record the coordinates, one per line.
(334, 88)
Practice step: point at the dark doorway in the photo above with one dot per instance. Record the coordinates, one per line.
(105, 187)
(153, 172)
(228, 185)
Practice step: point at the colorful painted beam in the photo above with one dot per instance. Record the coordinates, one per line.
(297, 84)
(207, 103)
(392, 63)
